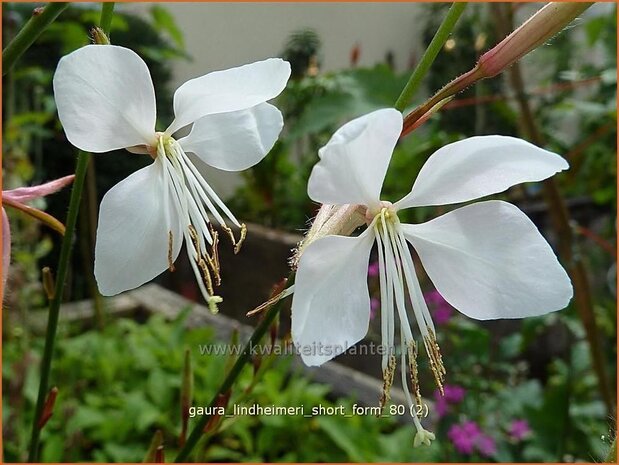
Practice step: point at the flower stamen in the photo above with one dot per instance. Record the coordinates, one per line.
(236, 244)
(396, 271)
(192, 197)
(413, 370)
(388, 375)
(213, 259)
(436, 359)
(202, 259)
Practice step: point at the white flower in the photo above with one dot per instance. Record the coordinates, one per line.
(487, 259)
(106, 101)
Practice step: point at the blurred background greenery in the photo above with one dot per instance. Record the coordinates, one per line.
(530, 386)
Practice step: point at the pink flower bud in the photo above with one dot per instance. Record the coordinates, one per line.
(537, 30)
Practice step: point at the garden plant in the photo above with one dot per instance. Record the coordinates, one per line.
(458, 219)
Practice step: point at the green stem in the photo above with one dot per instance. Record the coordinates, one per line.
(243, 359)
(105, 23)
(29, 33)
(83, 158)
(54, 306)
(430, 55)
(612, 453)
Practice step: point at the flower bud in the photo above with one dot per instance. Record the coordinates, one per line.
(537, 30)
(99, 37)
(331, 219)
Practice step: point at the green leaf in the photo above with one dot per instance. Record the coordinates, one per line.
(84, 419)
(341, 437)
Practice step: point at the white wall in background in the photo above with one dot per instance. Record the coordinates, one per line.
(223, 35)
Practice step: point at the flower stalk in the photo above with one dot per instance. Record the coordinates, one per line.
(538, 29)
(186, 396)
(81, 170)
(430, 54)
(35, 213)
(54, 306)
(155, 444)
(29, 33)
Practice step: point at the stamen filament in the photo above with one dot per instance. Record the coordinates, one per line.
(397, 270)
(390, 254)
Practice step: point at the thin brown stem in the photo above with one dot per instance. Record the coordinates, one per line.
(561, 222)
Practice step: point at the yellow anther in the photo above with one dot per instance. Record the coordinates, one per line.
(436, 359)
(388, 375)
(413, 370)
(236, 244)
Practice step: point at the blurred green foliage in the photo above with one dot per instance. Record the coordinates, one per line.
(120, 385)
(519, 375)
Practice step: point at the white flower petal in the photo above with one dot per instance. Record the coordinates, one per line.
(237, 140)
(479, 166)
(353, 164)
(331, 302)
(105, 98)
(229, 90)
(489, 261)
(133, 232)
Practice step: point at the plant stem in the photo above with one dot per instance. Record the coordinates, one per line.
(561, 221)
(612, 453)
(54, 306)
(107, 10)
(235, 371)
(29, 33)
(81, 170)
(430, 54)
(502, 55)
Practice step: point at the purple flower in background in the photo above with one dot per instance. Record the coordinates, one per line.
(471, 428)
(463, 436)
(373, 269)
(442, 315)
(454, 394)
(485, 445)
(468, 437)
(519, 430)
(433, 297)
(374, 306)
(441, 310)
